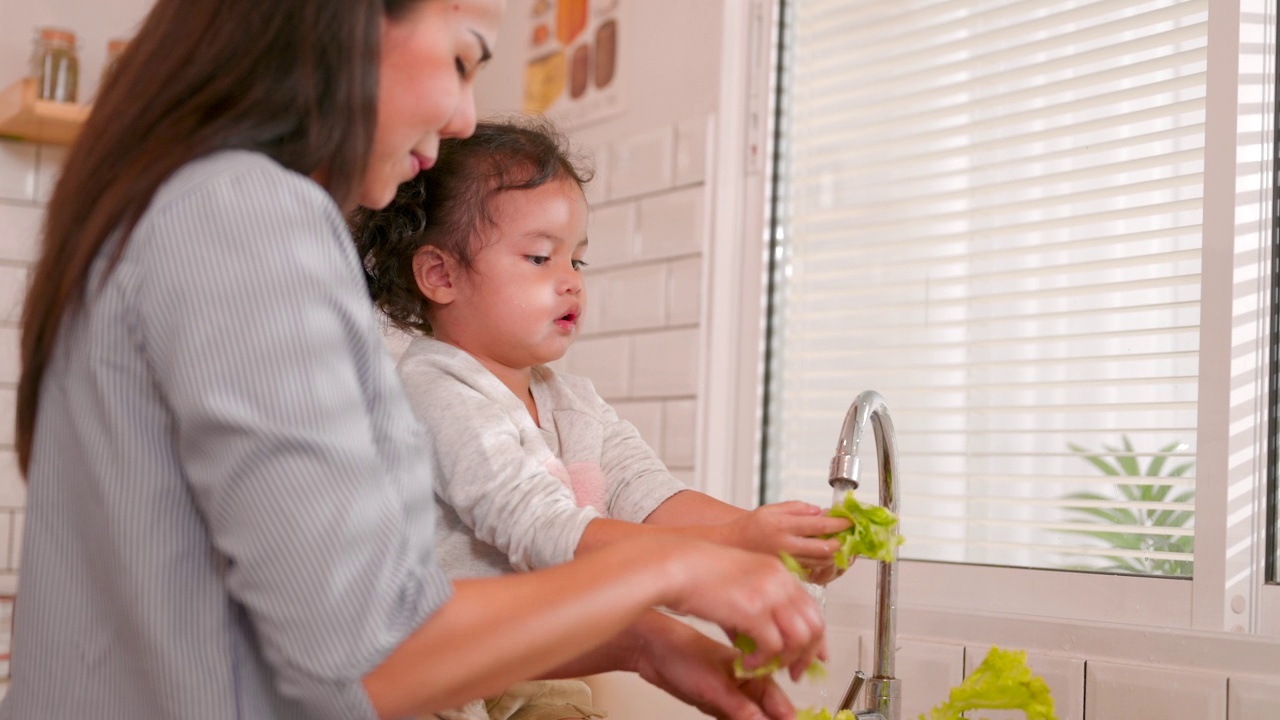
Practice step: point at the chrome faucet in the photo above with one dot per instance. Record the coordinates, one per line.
(884, 691)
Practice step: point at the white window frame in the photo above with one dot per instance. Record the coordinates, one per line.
(1228, 591)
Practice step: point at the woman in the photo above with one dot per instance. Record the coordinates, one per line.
(229, 513)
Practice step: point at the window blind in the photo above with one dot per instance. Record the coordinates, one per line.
(989, 212)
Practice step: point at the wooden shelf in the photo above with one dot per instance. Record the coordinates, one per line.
(24, 117)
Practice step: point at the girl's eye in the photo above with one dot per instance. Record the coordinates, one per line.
(538, 259)
(462, 67)
(579, 264)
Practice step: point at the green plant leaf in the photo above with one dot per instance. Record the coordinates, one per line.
(1128, 463)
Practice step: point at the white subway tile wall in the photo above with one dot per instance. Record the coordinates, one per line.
(672, 224)
(22, 168)
(13, 493)
(8, 409)
(684, 292)
(679, 425)
(13, 286)
(641, 336)
(634, 298)
(1114, 690)
(691, 150)
(611, 232)
(8, 357)
(19, 230)
(48, 170)
(1253, 699)
(665, 364)
(607, 361)
(933, 669)
(641, 164)
(17, 170)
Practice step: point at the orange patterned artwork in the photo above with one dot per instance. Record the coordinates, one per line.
(572, 67)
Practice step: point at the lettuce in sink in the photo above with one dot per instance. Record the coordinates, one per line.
(1002, 682)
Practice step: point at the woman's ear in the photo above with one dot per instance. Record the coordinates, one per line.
(436, 274)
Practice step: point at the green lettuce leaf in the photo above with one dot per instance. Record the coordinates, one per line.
(871, 533)
(823, 714)
(1002, 682)
(746, 646)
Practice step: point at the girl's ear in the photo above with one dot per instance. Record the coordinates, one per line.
(436, 274)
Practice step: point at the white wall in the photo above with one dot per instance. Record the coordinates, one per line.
(642, 333)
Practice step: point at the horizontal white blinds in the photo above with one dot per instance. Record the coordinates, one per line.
(990, 213)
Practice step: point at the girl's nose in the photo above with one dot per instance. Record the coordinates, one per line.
(571, 282)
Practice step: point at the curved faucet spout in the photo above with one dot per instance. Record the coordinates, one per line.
(883, 691)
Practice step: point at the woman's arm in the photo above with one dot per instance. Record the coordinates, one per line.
(496, 631)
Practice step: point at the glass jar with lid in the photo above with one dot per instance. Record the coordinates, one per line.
(55, 66)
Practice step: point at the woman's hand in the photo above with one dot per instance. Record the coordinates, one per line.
(753, 594)
(696, 669)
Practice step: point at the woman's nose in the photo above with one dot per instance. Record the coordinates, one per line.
(463, 121)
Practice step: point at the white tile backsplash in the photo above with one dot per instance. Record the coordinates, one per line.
(19, 231)
(929, 671)
(684, 292)
(634, 299)
(13, 288)
(9, 355)
(13, 491)
(1120, 692)
(606, 361)
(647, 417)
(1063, 675)
(48, 170)
(642, 164)
(671, 224)
(611, 233)
(8, 408)
(691, 150)
(17, 171)
(679, 432)
(1253, 699)
(665, 364)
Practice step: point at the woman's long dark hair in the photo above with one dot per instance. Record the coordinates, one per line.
(294, 79)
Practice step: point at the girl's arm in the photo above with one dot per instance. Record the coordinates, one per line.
(495, 631)
(642, 490)
(792, 527)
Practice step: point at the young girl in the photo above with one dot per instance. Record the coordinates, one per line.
(533, 467)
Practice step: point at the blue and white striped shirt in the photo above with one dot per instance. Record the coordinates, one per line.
(230, 512)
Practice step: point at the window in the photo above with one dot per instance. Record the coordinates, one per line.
(1039, 229)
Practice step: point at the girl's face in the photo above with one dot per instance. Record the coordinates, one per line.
(521, 302)
(429, 61)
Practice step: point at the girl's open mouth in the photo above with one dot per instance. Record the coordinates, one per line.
(568, 321)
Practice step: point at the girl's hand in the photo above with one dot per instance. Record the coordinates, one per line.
(793, 527)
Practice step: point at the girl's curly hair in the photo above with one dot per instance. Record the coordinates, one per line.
(448, 207)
